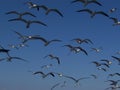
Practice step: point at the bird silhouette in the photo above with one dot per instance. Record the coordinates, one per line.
(10, 58)
(46, 42)
(116, 58)
(28, 22)
(93, 13)
(96, 63)
(80, 41)
(21, 14)
(43, 74)
(86, 2)
(32, 5)
(113, 82)
(76, 80)
(53, 57)
(76, 49)
(107, 61)
(48, 10)
(116, 21)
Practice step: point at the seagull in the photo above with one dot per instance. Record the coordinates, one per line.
(28, 22)
(113, 82)
(48, 10)
(116, 21)
(80, 41)
(53, 57)
(116, 58)
(43, 74)
(10, 58)
(107, 61)
(113, 74)
(96, 63)
(76, 80)
(76, 49)
(32, 5)
(46, 42)
(86, 2)
(55, 86)
(20, 14)
(93, 13)
(105, 64)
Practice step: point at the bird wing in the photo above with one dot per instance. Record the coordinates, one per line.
(19, 58)
(43, 7)
(19, 34)
(28, 13)
(102, 13)
(38, 72)
(116, 58)
(83, 50)
(88, 40)
(70, 77)
(55, 40)
(83, 1)
(54, 10)
(85, 10)
(18, 19)
(39, 22)
(13, 12)
(96, 2)
(57, 58)
(114, 19)
(83, 78)
(50, 73)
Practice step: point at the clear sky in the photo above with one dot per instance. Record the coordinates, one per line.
(17, 75)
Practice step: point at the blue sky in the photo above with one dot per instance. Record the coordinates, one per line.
(15, 75)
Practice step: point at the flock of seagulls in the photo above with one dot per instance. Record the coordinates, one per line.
(103, 64)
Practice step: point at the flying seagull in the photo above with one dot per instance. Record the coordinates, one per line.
(43, 74)
(116, 58)
(80, 41)
(86, 2)
(10, 58)
(21, 14)
(46, 42)
(53, 57)
(48, 10)
(93, 13)
(28, 22)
